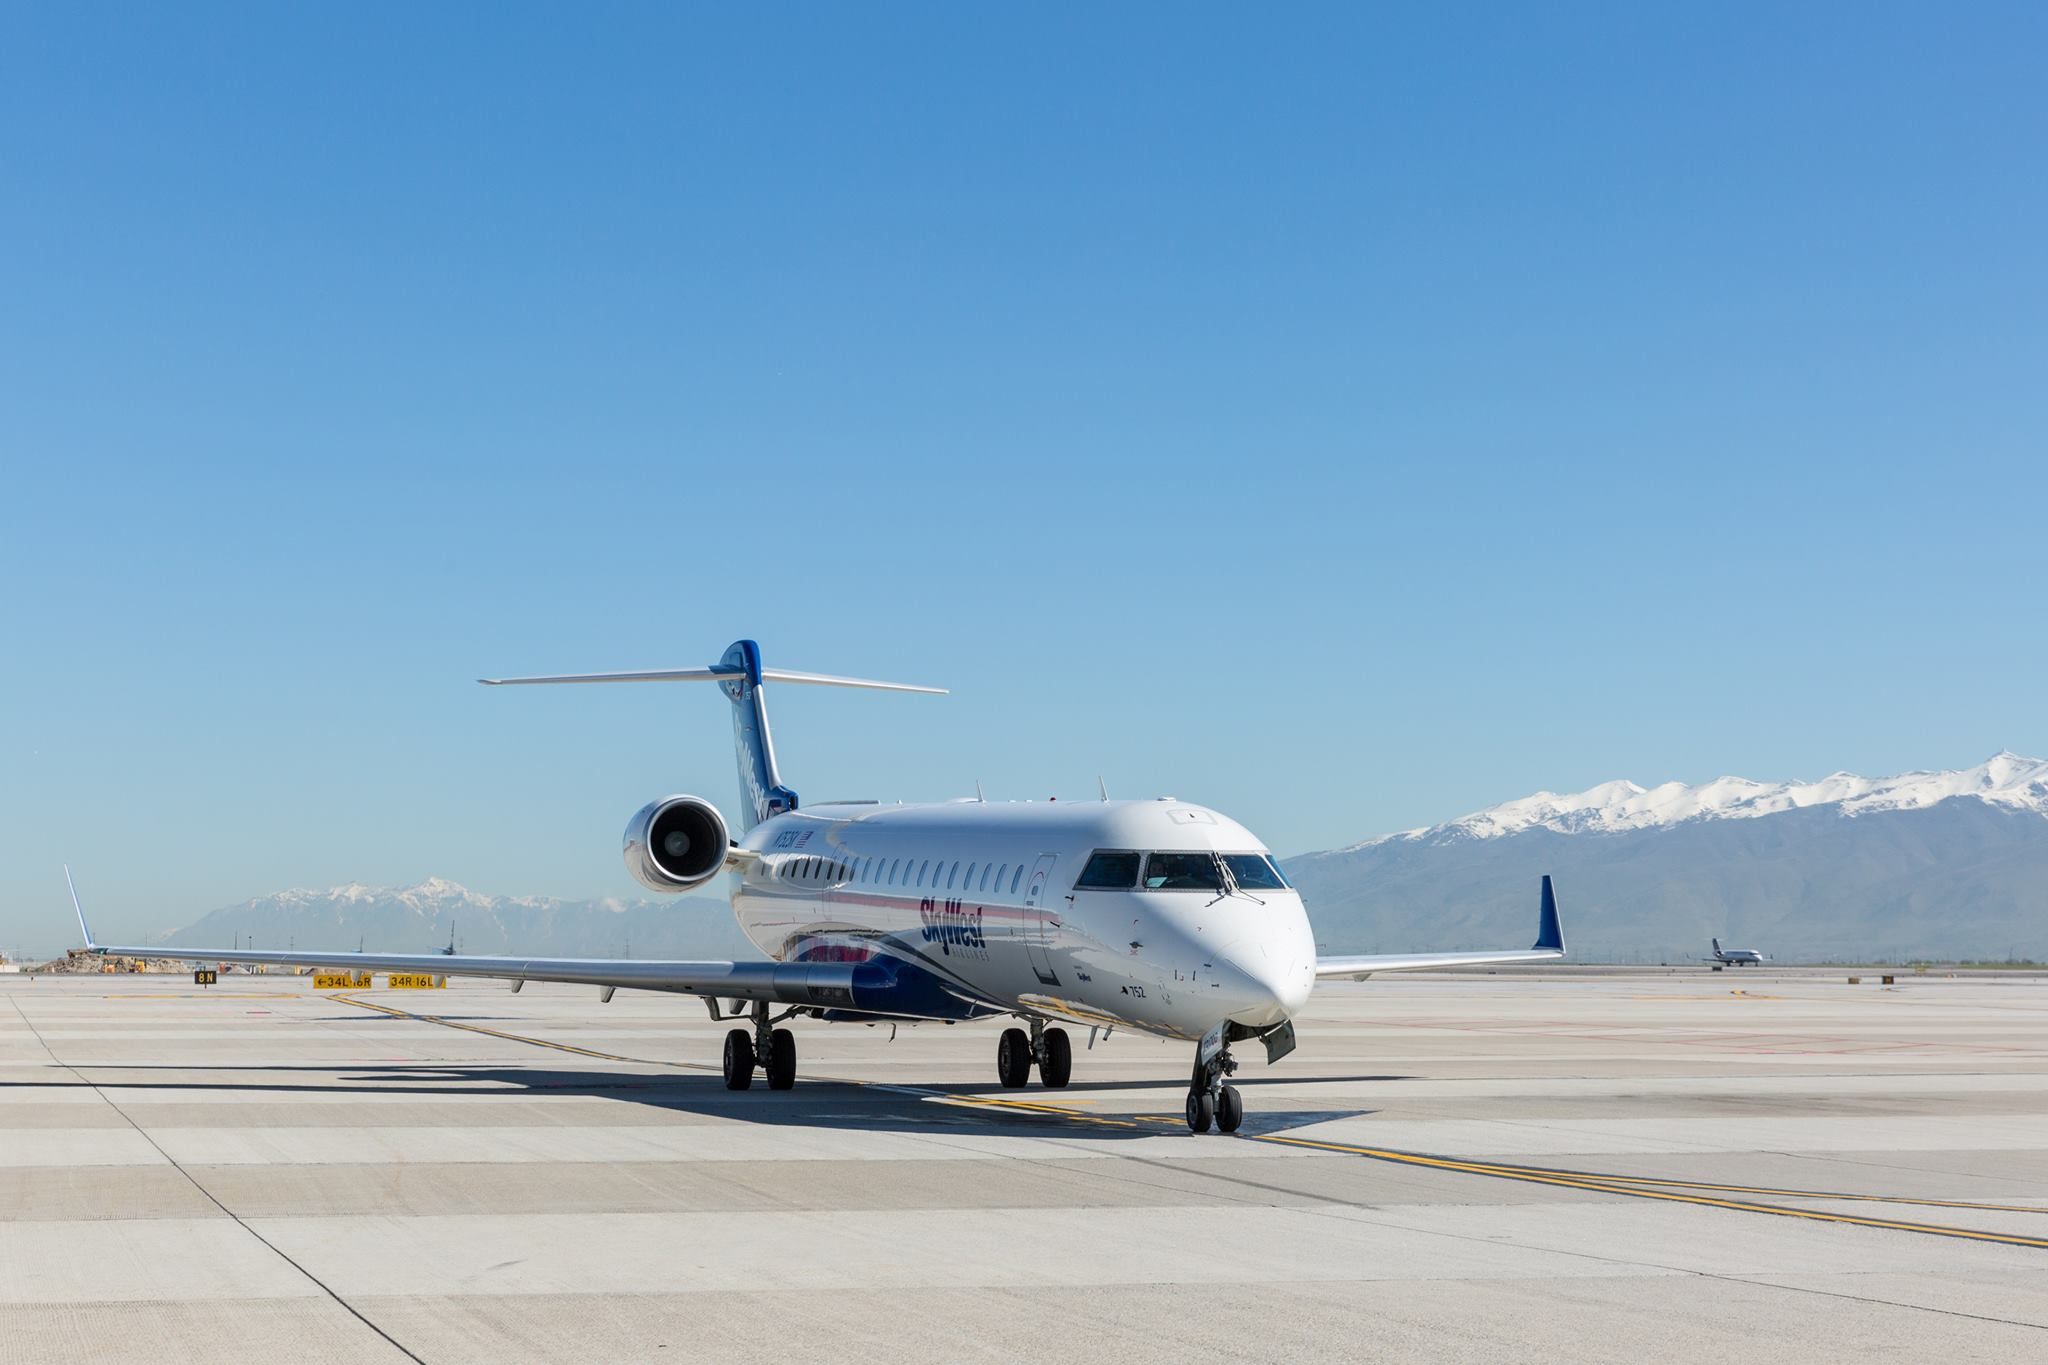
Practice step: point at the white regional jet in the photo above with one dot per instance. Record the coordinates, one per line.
(1156, 916)
(1735, 957)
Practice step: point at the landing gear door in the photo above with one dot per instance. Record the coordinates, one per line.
(1040, 922)
(1279, 1041)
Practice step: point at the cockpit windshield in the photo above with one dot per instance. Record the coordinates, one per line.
(1207, 872)
(1183, 872)
(1254, 872)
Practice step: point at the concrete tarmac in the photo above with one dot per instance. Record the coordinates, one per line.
(1759, 1166)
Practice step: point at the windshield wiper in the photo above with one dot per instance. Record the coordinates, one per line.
(1230, 884)
(1222, 879)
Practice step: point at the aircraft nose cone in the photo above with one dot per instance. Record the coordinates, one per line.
(1286, 980)
(1267, 987)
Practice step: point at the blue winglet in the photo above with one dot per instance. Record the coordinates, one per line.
(79, 908)
(1549, 933)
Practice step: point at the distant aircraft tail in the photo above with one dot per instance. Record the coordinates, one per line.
(1717, 945)
(739, 675)
(1549, 930)
(84, 931)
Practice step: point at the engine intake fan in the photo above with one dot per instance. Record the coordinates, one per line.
(676, 844)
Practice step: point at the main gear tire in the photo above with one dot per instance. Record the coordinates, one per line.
(739, 1060)
(781, 1065)
(1056, 1068)
(1013, 1059)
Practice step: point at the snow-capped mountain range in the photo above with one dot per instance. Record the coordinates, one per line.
(1926, 864)
(434, 895)
(2004, 779)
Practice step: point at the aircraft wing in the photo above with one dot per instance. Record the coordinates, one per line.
(1549, 947)
(773, 981)
(826, 984)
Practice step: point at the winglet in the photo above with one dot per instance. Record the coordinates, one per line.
(82, 928)
(1549, 933)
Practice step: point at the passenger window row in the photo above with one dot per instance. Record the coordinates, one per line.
(927, 874)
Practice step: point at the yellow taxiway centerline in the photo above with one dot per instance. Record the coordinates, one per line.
(1635, 1187)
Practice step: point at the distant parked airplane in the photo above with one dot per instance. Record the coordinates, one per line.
(1735, 957)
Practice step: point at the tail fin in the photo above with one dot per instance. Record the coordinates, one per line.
(1717, 945)
(1549, 932)
(739, 675)
(762, 793)
(83, 931)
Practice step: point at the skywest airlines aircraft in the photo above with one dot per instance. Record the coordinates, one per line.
(1156, 916)
(1736, 957)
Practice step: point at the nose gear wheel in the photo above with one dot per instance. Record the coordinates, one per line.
(1229, 1109)
(1211, 1103)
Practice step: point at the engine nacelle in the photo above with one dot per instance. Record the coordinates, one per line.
(676, 844)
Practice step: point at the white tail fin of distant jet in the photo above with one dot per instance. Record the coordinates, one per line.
(85, 932)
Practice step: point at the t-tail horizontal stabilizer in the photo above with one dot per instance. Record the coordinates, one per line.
(1549, 947)
(763, 794)
(717, 673)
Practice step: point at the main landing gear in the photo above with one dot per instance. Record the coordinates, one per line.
(1210, 1100)
(773, 1050)
(1048, 1048)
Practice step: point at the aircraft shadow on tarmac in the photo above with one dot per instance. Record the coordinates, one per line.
(831, 1104)
(1175, 1084)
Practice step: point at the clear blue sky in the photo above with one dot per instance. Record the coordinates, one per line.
(1348, 417)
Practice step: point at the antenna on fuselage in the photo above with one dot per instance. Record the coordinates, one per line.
(1102, 786)
(977, 792)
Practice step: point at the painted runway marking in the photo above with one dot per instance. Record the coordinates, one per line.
(1634, 1187)
(1626, 1185)
(191, 995)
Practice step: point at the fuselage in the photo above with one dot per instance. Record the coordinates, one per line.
(984, 908)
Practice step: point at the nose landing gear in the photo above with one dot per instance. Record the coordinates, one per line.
(1210, 1100)
(1049, 1049)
